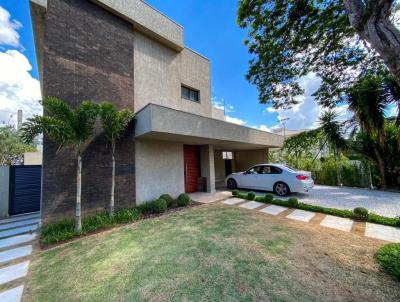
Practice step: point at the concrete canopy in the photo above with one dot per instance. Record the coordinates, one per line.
(161, 123)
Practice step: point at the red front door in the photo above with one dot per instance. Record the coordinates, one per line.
(191, 155)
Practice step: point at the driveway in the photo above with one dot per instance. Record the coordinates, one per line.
(379, 202)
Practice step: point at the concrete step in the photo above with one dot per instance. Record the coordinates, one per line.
(20, 217)
(15, 253)
(16, 240)
(18, 231)
(13, 225)
(12, 295)
(13, 272)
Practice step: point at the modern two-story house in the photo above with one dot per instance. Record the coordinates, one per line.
(128, 53)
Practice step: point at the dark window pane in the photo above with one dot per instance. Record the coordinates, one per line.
(185, 93)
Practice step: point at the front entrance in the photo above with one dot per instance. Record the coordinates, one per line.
(191, 155)
(228, 166)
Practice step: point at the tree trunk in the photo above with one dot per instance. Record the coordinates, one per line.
(371, 20)
(78, 220)
(381, 167)
(338, 172)
(112, 186)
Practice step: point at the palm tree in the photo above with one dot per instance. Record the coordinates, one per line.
(368, 99)
(114, 124)
(332, 130)
(65, 127)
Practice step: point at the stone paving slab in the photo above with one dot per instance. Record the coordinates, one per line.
(251, 205)
(383, 232)
(12, 295)
(17, 231)
(4, 243)
(20, 217)
(13, 272)
(301, 215)
(273, 210)
(19, 223)
(15, 253)
(338, 223)
(233, 201)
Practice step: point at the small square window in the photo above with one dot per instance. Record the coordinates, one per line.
(227, 155)
(190, 94)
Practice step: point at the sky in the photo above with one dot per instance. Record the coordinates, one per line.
(209, 28)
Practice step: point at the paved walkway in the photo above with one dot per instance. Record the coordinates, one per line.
(380, 202)
(16, 236)
(377, 231)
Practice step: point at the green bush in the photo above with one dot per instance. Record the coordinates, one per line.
(389, 257)
(170, 201)
(65, 229)
(57, 232)
(251, 195)
(269, 198)
(323, 210)
(126, 215)
(235, 192)
(360, 214)
(375, 218)
(156, 206)
(183, 200)
(293, 202)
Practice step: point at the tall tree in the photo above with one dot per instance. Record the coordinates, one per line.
(65, 127)
(368, 99)
(335, 39)
(332, 130)
(12, 148)
(114, 124)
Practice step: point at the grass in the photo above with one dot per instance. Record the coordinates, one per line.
(371, 217)
(210, 253)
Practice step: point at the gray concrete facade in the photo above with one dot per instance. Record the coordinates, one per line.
(4, 190)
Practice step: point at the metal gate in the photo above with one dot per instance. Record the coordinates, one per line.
(25, 189)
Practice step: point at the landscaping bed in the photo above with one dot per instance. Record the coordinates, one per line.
(64, 230)
(212, 253)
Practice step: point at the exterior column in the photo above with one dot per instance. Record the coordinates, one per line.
(207, 166)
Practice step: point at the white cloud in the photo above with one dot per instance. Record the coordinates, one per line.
(220, 104)
(262, 128)
(235, 120)
(306, 113)
(8, 29)
(18, 89)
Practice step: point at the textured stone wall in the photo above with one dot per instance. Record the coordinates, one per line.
(88, 55)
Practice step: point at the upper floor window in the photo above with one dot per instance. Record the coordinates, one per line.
(190, 94)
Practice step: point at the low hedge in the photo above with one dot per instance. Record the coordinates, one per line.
(293, 203)
(389, 258)
(65, 229)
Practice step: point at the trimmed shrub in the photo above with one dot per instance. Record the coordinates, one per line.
(183, 200)
(389, 258)
(96, 222)
(293, 202)
(170, 201)
(375, 218)
(269, 198)
(156, 206)
(260, 199)
(235, 192)
(251, 195)
(360, 214)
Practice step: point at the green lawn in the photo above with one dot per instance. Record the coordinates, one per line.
(211, 253)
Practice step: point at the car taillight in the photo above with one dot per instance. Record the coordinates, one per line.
(301, 177)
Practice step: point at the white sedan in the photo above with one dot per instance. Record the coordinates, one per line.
(280, 179)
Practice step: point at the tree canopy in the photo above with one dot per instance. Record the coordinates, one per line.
(332, 38)
(12, 148)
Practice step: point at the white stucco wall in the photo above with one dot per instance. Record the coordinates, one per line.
(160, 71)
(159, 169)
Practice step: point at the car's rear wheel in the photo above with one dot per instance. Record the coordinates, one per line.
(281, 189)
(232, 185)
